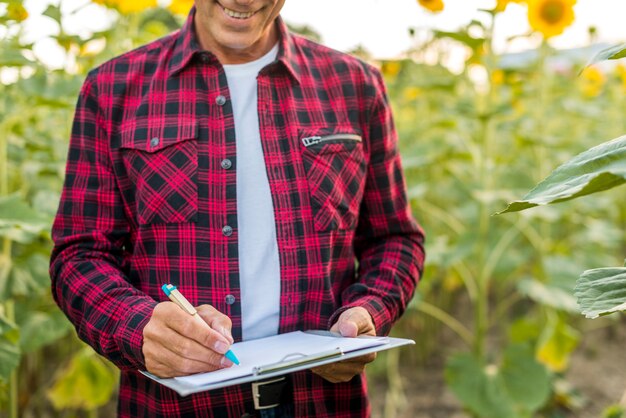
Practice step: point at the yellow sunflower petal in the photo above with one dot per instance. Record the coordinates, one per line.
(501, 5)
(180, 7)
(134, 6)
(592, 81)
(434, 6)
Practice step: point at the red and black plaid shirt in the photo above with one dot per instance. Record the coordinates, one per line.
(150, 198)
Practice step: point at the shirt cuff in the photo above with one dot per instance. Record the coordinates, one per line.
(129, 334)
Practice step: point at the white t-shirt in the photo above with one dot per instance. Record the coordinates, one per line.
(259, 266)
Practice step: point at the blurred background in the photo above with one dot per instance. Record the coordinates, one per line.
(488, 96)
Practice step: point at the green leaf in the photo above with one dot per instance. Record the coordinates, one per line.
(601, 291)
(515, 389)
(18, 221)
(28, 277)
(556, 344)
(599, 168)
(42, 328)
(53, 12)
(611, 53)
(86, 383)
(461, 36)
(10, 57)
(548, 295)
(9, 348)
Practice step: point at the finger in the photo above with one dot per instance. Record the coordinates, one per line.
(217, 321)
(339, 372)
(188, 348)
(184, 366)
(197, 330)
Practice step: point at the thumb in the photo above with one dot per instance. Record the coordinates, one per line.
(348, 328)
(346, 325)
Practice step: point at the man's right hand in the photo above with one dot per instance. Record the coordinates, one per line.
(176, 344)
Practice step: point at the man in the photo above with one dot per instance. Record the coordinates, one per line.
(250, 168)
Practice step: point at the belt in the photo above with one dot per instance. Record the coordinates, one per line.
(272, 392)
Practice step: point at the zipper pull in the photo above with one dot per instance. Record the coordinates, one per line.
(311, 140)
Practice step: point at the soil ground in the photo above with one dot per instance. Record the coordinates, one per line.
(597, 373)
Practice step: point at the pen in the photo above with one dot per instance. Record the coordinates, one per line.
(178, 298)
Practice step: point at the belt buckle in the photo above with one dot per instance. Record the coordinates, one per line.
(256, 394)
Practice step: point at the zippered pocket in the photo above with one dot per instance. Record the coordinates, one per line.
(334, 138)
(335, 167)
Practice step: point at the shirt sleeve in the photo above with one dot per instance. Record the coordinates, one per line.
(388, 241)
(89, 234)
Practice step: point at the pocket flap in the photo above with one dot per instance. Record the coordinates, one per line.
(153, 138)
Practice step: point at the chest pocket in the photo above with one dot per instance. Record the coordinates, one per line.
(335, 166)
(162, 165)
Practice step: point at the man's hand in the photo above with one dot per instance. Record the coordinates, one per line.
(177, 344)
(351, 323)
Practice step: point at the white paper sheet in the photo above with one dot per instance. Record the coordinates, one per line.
(274, 349)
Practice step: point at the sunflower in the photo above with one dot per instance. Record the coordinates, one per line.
(592, 81)
(127, 6)
(550, 17)
(434, 6)
(180, 7)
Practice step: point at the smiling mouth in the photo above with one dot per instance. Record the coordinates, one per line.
(235, 14)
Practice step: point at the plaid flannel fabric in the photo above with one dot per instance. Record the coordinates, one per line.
(149, 198)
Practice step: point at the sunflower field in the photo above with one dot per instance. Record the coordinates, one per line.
(498, 318)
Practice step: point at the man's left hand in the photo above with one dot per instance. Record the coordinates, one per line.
(351, 323)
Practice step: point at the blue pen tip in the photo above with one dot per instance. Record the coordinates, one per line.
(167, 289)
(232, 357)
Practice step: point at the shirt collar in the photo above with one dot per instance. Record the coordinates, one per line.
(187, 45)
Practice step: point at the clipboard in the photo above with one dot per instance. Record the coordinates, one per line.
(289, 362)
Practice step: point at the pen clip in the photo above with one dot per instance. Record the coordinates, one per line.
(301, 359)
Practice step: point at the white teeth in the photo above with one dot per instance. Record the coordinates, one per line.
(237, 15)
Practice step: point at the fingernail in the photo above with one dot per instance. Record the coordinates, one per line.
(225, 362)
(221, 347)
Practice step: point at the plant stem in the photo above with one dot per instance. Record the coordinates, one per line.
(395, 400)
(486, 178)
(447, 319)
(9, 307)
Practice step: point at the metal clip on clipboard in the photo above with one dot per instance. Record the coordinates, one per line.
(301, 359)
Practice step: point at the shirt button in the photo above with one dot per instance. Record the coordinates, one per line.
(227, 231)
(205, 58)
(220, 100)
(226, 164)
(154, 142)
(230, 299)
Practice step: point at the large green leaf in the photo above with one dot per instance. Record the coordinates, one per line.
(9, 348)
(42, 328)
(18, 221)
(602, 291)
(28, 276)
(611, 53)
(548, 295)
(597, 169)
(515, 389)
(86, 383)
(555, 286)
